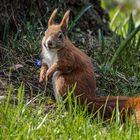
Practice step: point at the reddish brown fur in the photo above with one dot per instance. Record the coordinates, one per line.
(76, 67)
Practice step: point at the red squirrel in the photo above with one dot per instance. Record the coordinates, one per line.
(65, 63)
(68, 65)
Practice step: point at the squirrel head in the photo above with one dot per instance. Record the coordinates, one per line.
(55, 35)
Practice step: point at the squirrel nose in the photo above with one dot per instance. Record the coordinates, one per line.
(49, 43)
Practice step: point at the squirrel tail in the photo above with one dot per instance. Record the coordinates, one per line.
(126, 105)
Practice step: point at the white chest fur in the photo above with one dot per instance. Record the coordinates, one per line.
(50, 57)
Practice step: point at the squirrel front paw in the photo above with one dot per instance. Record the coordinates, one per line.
(42, 77)
(43, 72)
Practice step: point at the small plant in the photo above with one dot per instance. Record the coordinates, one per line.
(124, 44)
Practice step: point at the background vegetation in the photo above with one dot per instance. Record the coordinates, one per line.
(28, 110)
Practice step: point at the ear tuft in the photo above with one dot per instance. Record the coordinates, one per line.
(65, 20)
(52, 17)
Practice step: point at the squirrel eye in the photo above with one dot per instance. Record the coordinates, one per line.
(60, 35)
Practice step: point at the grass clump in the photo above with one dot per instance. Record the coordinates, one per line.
(23, 120)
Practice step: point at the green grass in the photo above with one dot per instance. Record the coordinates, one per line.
(28, 111)
(24, 120)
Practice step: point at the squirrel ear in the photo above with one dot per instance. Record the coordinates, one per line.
(65, 20)
(51, 19)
